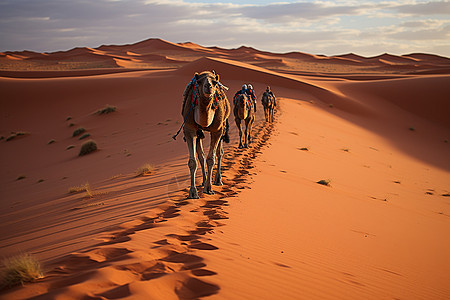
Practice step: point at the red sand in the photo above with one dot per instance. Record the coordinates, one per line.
(378, 128)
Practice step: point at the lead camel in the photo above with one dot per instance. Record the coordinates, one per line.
(205, 108)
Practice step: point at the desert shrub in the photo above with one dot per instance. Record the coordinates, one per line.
(71, 125)
(51, 142)
(20, 177)
(82, 188)
(70, 147)
(19, 269)
(106, 110)
(78, 131)
(68, 118)
(145, 170)
(324, 182)
(16, 134)
(88, 147)
(84, 136)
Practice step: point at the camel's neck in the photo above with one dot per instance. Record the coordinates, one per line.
(243, 111)
(204, 114)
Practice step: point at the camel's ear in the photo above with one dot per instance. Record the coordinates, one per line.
(196, 75)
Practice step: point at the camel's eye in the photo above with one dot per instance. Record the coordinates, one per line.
(214, 82)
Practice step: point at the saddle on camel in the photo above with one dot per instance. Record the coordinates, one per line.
(205, 108)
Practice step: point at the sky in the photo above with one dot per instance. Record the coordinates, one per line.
(363, 27)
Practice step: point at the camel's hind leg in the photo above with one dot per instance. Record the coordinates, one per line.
(248, 129)
(270, 114)
(219, 154)
(210, 160)
(191, 139)
(266, 113)
(201, 158)
(238, 124)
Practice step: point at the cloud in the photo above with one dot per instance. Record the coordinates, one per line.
(315, 26)
(423, 34)
(427, 8)
(302, 10)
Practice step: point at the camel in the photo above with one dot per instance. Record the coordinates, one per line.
(268, 101)
(243, 111)
(205, 107)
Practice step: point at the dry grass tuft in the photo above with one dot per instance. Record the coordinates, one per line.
(20, 269)
(16, 134)
(88, 147)
(106, 110)
(324, 182)
(78, 131)
(146, 169)
(82, 188)
(86, 135)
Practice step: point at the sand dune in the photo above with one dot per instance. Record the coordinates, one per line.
(183, 53)
(377, 128)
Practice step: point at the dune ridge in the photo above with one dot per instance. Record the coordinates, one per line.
(376, 128)
(149, 51)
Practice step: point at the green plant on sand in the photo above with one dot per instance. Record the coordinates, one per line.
(20, 269)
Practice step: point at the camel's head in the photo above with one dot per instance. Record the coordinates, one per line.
(208, 83)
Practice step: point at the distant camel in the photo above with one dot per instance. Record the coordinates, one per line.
(243, 111)
(268, 101)
(205, 107)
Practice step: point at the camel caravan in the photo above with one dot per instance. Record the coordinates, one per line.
(206, 108)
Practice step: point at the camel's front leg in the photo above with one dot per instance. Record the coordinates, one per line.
(201, 158)
(210, 160)
(238, 124)
(266, 113)
(192, 163)
(219, 153)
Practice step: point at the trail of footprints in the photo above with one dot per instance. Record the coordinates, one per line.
(176, 254)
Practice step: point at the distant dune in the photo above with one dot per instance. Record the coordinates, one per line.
(373, 131)
(148, 55)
